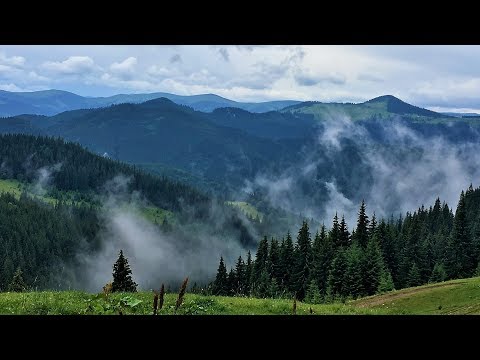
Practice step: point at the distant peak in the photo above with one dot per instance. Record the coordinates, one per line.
(384, 98)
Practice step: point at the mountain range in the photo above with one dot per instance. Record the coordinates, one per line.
(51, 102)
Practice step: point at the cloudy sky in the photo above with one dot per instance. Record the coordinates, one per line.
(440, 78)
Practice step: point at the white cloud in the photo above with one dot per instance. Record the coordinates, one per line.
(17, 61)
(74, 65)
(124, 69)
(10, 87)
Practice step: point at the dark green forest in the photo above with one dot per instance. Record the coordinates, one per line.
(430, 245)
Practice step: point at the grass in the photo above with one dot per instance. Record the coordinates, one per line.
(451, 297)
(246, 208)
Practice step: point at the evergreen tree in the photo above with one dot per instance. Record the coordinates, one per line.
(262, 286)
(122, 276)
(438, 274)
(372, 227)
(241, 277)
(372, 267)
(343, 234)
(361, 233)
(460, 260)
(274, 260)
(386, 282)
(353, 280)
(303, 257)
(287, 261)
(261, 259)
(273, 289)
(231, 280)
(248, 273)
(334, 232)
(313, 293)
(336, 278)
(220, 285)
(17, 284)
(414, 278)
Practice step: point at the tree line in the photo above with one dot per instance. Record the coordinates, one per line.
(429, 245)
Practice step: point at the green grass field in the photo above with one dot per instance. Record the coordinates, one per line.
(246, 208)
(451, 297)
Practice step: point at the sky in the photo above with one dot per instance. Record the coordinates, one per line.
(440, 78)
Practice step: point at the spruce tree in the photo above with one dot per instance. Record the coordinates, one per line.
(361, 233)
(343, 234)
(287, 263)
(240, 283)
(273, 289)
(313, 293)
(303, 258)
(334, 232)
(336, 278)
(274, 260)
(261, 259)
(372, 227)
(231, 279)
(353, 280)
(248, 273)
(122, 276)
(17, 284)
(414, 278)
(386, 282)
(438, 274)
(372, 266)
(460, 260)
(220, 285)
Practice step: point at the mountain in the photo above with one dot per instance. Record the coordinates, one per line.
(459, 115)
(382, 107)
(51, 102)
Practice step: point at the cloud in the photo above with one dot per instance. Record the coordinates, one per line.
(370, 77)
(175, 59)
(224, 53)
(16, 61)
(306, 80)
(10, 87)
(71, 66)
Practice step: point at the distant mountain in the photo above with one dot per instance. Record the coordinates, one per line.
(51, 102)
(382, 107)
(461, 115)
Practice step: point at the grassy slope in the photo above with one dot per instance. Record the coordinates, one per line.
(451, 297)
(246, 208)
(151, 213)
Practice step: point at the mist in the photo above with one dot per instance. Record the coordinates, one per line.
(393, 165)
(155, 257)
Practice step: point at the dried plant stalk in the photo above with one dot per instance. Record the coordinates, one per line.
(155, 303)
(181, 294)
(162, 296)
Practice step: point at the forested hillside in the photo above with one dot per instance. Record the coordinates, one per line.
(428, 245)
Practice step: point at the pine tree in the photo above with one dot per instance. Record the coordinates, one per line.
(231, 279)
(414, 276)
(17, 284)
(361, 233)
(353, 280)
(262, 287)
(372, 227)
(122, 276)
(220, 285)
(438, 274)
(240, 283)
(372, 266)
(460, 259)
(303, 258)
(336, 278)
(313, 293)
(287, 263)
(343, 234)
(334, 232)
(274, 260)
(386, 282)
(261, 259)
(248, 274)
(273, 289)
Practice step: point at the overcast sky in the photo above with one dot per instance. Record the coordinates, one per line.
(440, 78)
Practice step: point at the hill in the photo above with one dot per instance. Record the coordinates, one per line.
(455, 297)
(381, 108)
(51, 102)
